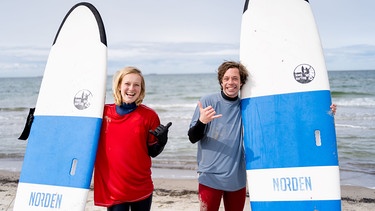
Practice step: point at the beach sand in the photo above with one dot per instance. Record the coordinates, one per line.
(181, 194)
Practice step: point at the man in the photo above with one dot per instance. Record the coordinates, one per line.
(217, 127)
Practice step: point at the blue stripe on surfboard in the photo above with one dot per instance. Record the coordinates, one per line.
(297, 205)
(54, 143)
(279, 130)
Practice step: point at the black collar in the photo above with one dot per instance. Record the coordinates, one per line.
(228, 98)
(125, 108)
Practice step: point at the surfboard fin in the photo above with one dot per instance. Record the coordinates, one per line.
(29, 121)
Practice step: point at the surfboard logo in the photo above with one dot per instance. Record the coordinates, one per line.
(82, 99)
(304, 73)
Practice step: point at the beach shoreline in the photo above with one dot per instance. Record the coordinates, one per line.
(173, 192)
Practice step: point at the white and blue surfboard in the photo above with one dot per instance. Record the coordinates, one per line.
(60, 155)
(289, 131)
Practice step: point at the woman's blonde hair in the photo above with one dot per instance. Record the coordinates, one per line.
(117, 80)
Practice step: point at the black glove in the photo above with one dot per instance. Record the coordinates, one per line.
(161, 133)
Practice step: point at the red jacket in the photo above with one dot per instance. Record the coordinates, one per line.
(123, 166)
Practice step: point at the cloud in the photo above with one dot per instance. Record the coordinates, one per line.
(173, 58)
(175, 36)
(354, 57)
(22, 61)
(150, 57)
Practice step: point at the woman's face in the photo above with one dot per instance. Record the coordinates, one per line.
(130, 87)
(231, 82)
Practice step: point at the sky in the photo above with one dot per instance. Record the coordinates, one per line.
(172, 36)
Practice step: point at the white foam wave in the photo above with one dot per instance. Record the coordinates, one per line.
(355, 102)
(351, 126)
(172, 106)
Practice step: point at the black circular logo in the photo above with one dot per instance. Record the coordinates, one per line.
(304, 73)
(82, 99)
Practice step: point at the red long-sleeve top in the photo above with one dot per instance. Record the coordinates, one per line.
(123, 165)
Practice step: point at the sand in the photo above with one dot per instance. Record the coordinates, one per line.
(181, 194)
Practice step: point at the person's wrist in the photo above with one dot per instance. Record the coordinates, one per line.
(203, 122)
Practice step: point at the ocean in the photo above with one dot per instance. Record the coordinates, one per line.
(174, 98)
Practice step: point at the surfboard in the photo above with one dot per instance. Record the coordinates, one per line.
(289, 132)
(60, 154)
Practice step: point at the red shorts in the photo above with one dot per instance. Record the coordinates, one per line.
(210, 199)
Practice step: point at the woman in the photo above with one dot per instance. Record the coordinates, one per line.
(131, 134)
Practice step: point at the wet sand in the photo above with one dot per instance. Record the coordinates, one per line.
(181, 194)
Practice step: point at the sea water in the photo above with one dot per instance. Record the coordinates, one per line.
(175, 96)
